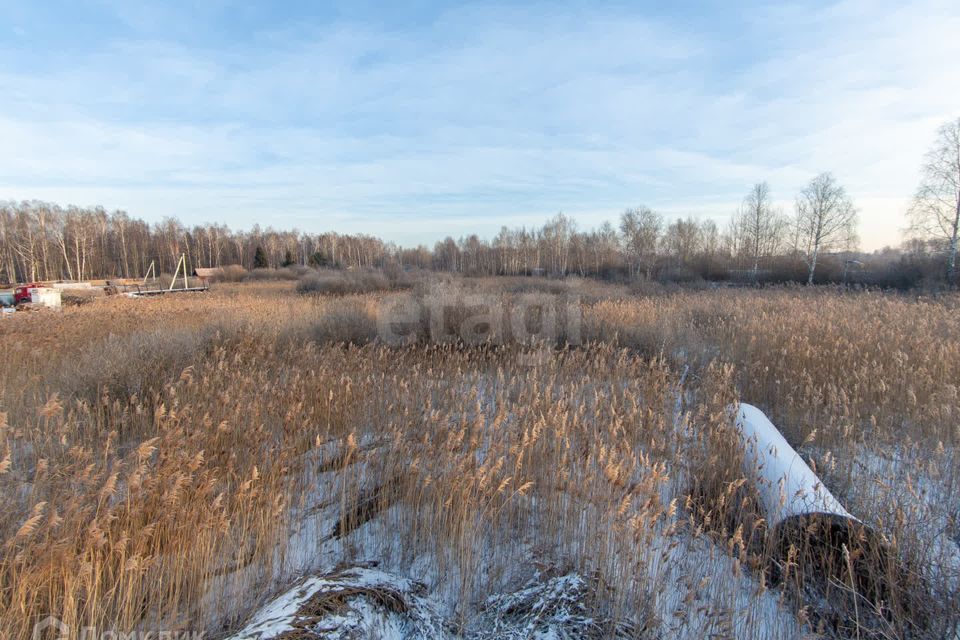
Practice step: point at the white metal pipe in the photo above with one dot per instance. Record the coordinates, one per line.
(787, 486)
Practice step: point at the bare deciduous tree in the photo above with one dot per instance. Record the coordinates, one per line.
(760, 225)
(557, 234)
(640, 228)
(826, 217)
(935, 212)
(682, 240)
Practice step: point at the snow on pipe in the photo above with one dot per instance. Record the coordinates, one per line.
(787, 486)
(802, 513)
(791, 495)
(800, 510)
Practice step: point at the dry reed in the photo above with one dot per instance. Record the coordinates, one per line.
(156, 457)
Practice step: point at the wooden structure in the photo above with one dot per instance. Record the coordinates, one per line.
(206, 274)
(181, 267)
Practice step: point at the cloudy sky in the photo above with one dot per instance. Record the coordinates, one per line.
(416, 120)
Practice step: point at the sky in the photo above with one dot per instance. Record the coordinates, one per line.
(416, 120)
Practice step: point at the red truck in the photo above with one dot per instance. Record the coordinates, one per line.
(22, 292)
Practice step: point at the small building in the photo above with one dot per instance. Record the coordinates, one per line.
(207, 274)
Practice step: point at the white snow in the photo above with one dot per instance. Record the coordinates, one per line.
(690, 587)
(786, 484)
(363, 614)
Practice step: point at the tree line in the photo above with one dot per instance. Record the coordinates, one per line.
(43, 241)
(758, 237)
(817, 241)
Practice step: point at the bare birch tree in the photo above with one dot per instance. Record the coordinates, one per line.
(640, 228)
(760, 225)
(826, 217)
(935, 212)
(682, 240)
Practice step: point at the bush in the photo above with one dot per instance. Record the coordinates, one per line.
(353, 322)
(341, 283)
(286, 273)
(232, 273)
(680, 274)
(106, 367)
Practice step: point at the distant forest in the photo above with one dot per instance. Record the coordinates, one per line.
(42, 241)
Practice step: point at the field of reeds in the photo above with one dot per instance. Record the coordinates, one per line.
(502, 458)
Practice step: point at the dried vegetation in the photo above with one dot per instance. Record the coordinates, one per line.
(170, 463)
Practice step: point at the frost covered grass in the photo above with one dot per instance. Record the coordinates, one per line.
(177, 463)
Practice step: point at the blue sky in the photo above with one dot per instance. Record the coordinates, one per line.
(416, 120)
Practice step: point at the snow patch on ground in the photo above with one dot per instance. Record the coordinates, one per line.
(553, 608)
(691, 589)
(359, 602)
(911, 485)
(368, 603)
(705, 593)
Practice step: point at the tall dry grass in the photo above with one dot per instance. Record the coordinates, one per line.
(159, 457)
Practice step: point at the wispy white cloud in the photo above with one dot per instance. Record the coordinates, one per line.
(483, 116)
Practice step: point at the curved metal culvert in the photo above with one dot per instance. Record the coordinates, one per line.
(808, 527)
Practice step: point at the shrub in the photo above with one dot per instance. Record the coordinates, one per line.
(344, 282)
(350, 322)
(232, 273)
(269, 273)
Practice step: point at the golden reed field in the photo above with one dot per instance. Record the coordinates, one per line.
(174, 463)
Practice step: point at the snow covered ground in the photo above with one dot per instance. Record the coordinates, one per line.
(363, 602)
(364, 583)
(360, 602)
(369, 603)
(692, 588)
